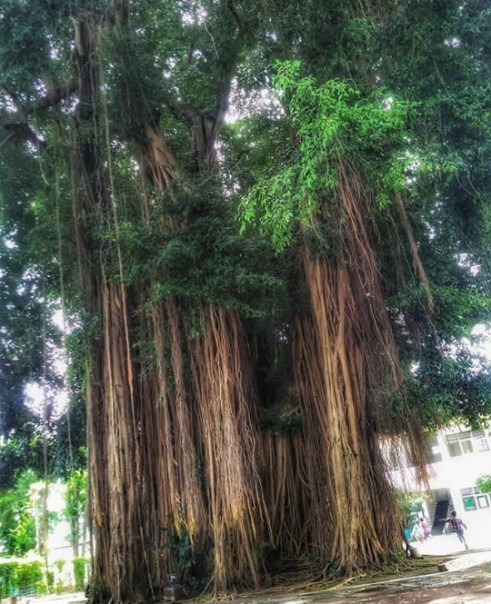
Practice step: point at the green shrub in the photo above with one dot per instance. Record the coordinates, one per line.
(8, 578)
(30, 577)
(79, 568)
(60, 586)
(18, 578)
(484, 483)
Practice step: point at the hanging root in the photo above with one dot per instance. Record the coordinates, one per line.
(231, 446)
(417, 264)
(345, 362)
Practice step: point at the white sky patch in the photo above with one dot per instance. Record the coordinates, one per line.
(197, 54)
(35, 399)
(388, 103)
(170, 64)
(196, 17)
(38, 398)
(9, 243)
(69, 105)
(483, 347)
(452, 42)
(9, 104)
(41, 87)
(246, 105)
(466, 261)
(430, 230)
(58, 319)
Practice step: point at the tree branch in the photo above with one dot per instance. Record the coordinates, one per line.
(21, 131)
(18, 127)
(121, 12)
(238, 19)
(52, 98)
(229, 62)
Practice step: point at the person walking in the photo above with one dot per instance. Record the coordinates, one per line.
(417, 532)
(426, 528)
(458, 526)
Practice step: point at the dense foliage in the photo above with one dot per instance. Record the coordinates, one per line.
(17, 578)
(17, 523)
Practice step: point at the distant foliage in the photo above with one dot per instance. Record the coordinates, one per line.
(21, 578)
(17, 527)
(80, 572)
(484, 483)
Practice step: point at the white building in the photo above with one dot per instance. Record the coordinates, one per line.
(457, 457)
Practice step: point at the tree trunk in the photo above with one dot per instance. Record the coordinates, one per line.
(344, 363)
(286, 496)
(232, 448)
(148, 431)
(224, 425)
(113, 418)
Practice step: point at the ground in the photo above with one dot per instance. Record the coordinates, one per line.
(467, 585)
(465, 579)
(454, 587)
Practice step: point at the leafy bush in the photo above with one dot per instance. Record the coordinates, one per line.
(191, 563)
(21, 578)
(60, 587)
(484, 483)
(8, 578)
(50, 580)
(79, 568)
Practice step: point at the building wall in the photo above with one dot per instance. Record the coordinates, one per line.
(459, 457)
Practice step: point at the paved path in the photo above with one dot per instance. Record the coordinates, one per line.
(467, 581)
(470, 586)
(443, 545)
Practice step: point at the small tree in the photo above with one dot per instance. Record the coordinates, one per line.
(484, 483)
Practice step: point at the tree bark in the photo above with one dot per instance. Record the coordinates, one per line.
(113, 417)
(345, 361)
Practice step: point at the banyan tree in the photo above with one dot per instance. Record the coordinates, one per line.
(262, 244)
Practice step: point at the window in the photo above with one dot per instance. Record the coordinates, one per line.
(481, 443)
(432, 449)
(465, 442)
(469, 504)
(473, 499)
(482, 501)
